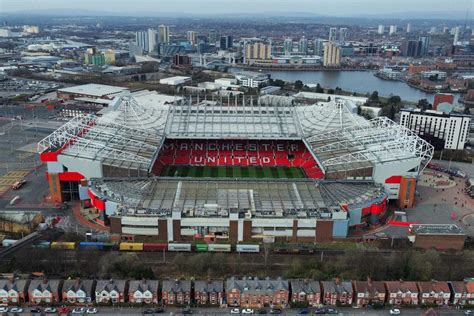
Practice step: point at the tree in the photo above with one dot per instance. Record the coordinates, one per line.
(319, 89)
(424, 105)
(374, 96)
(394, 99)
(330, 91)
(298, 85)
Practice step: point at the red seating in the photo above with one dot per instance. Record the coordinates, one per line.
(239, 153)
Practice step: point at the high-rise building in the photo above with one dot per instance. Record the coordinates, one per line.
(381, 29)
(164, 34)
(393, 30)
(109, 56)
(288, 46)
(457, 30)
(332, 55)
(408, 28)
(257, 51)
(191, 36)
(433, 30)
(445, 30)
(303, 45)
(411, 48)
(141, 39)
(226, 42)
(425, 45)
(318, 46)
(152, 40)
(332, 34)
(342, 35)
(213, 37)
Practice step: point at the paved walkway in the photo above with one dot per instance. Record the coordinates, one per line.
(76, 210)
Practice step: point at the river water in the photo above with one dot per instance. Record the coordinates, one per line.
(358, 81)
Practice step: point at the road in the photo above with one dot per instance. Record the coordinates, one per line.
(124, 311)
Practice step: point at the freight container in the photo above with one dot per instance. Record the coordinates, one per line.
(63, 245)
(201, 247)
(110, 246)
(43, 244)
(91, 245)
(219, 248)
(248, 248)
(154, 247)
(179, 247)
(8, 242)
(131, 246)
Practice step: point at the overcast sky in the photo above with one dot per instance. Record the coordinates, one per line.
(323, 7)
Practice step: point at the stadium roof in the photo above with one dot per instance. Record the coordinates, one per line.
(212, 120)
(270, 197)
(356, 147)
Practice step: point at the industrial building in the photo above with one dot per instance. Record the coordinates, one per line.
(175, 169)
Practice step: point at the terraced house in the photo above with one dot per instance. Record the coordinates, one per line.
(257, 293)
(44, 291)
(13, 291)
(369, 292)
(78, 291)
(462, 292)
(177, 292)
(402, 293)
(143, 292)
(306, 291)
(209, 292)
(110, 291)
(434, 292)
(337, 291)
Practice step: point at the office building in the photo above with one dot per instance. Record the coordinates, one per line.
(443, 131)
(381, 29)
(342, 35)
(408, 28)
(332, 55)
(141, 40)
(393, 30)
(433, 30)
(31, 29)
(109, 57)
(152, 40)
(332, 34)
(303, 45)
(442, 98)
(226, 42)
(164, 34)
(288, 46)
(213, 37)
(257, 51)
(191, 36)
(425, 45)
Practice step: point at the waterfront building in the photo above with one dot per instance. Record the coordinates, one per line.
(332, 55)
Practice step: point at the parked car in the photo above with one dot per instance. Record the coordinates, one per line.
(469, 312)
(235, 311)
(394, 311)
(320, 311)
(91, 310)
(303, 311)
(275, 311)
(187, 311)
(261, 311)
(247, 311)
(16, 310)
(331, 311)
(79, 310)
(50, 310)
(149, 311)
(64, 310)
(3, 309)
(35, 310)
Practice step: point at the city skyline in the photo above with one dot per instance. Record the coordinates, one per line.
(365, 8)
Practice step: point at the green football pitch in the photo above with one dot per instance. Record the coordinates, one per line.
(232, 172)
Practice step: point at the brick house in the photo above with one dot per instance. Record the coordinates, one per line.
(176, 292)
(337, 291)
(110, 291)
(78, 291)
(13, 291)
(434, 292)
(44, 291)
(369, 292)
(143, 292)
(462, 292)
(306, 291)
(402, 293)
(257, 293)
(209, 292)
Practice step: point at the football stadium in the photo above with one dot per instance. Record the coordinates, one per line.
(238, 169)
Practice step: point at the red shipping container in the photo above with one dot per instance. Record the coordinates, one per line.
(155, 247)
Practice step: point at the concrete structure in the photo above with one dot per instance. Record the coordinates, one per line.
(443, 131)
(332, 55)
(175, 81)
(91, 90)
